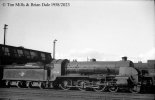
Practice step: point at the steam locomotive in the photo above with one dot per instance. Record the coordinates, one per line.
(96, 75)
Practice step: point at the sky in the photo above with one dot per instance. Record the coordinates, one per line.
(84, 29)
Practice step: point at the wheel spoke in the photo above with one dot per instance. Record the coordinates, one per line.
(18, 84)
(135, 89)
(99, 87)
(65, 84)
(7, 83)
(41, 85)
(113, 88)
(82, 85)
(28, 84)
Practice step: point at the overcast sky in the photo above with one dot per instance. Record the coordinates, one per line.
(101, 29)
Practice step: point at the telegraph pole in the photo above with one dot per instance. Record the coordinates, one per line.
(54, 48)
(5, 27)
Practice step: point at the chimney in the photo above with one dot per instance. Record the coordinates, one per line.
(124, 58)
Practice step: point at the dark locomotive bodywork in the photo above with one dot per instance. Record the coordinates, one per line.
(18, 75)
(32, 74)
(97, 75)
(96, 67)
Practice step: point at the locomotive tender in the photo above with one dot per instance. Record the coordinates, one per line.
(97, 75)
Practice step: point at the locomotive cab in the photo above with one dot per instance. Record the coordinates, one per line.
(57, 68)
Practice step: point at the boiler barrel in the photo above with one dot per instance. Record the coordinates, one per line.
(96, 67)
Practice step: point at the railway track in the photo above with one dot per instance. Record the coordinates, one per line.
(51, 94)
